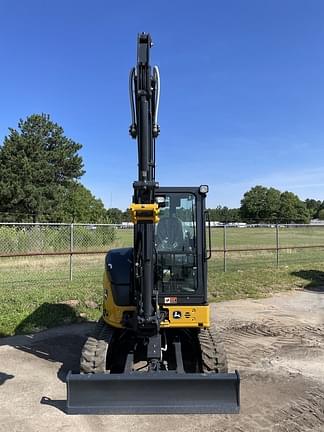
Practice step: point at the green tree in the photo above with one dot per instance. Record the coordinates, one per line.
(292, 209)
(313, 206)
(321, 214)
(118, 216)
(261, 204)
(38, 165)
(320, 208)
(115, 215)
(224, 214)
(77, 204)
(126, 215)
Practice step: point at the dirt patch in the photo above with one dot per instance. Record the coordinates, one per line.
(277, 344)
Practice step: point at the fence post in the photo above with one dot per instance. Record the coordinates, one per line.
(277, 244)
(71, 251)
(224, 247)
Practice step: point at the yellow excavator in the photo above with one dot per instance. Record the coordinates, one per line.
(155, 349)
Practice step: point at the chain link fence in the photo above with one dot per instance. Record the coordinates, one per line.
(52, 253)
(32, 253)
(240, 246)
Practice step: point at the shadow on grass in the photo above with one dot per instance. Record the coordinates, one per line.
(46, 316)
(316, 278)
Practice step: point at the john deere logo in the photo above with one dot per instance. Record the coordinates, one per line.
(176, 314)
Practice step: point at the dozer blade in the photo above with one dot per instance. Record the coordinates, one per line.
(152, 393)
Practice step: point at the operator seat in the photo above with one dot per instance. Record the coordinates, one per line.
(169, 234)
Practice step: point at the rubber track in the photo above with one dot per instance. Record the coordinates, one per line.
(94, 352)
(212, 350)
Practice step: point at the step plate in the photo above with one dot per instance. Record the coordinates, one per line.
(153, 393)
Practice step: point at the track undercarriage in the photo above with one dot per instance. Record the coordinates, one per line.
(112, 350)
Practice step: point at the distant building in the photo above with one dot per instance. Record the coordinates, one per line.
(127, 225)
(317, 222)
(215, 223)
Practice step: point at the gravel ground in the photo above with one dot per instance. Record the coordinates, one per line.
(277, 344)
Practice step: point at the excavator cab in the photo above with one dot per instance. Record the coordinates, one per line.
(180, 243)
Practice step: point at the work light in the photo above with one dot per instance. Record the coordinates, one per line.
(203, 189)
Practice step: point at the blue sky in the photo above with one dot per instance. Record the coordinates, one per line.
(242, 99)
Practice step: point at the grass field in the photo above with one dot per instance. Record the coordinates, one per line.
(254, 238)
(251, 237)
(35, 292)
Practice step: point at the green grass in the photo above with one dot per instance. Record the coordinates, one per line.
(33, 290)
(39, 306)
(39, 296)
(266, 237)
(261, 282)
(243, 238)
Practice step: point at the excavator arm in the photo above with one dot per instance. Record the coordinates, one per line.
(144, 98)
(144, 90)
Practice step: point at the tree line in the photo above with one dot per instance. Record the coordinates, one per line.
(269, 205)
(41, 168)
